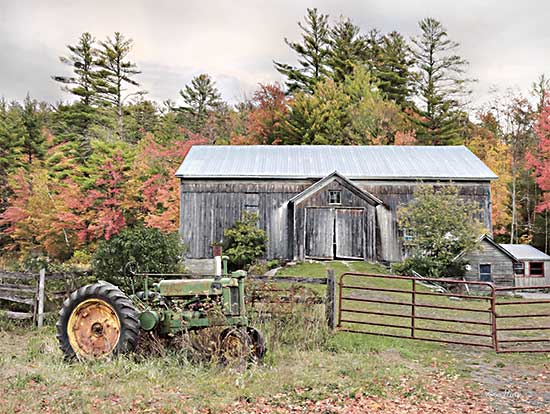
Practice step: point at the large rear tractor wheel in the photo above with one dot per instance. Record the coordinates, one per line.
(97, 321)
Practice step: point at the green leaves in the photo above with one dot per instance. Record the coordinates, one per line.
(244, 242)
(152, 250)
(442, 225)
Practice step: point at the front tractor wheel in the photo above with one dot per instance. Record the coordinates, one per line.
(97, 321)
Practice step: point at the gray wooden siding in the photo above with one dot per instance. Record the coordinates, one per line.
(210, 206)
(502, 270)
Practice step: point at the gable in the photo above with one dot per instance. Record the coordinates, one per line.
(335, 177)
(488, 245)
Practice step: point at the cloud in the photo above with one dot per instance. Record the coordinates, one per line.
(236, 42)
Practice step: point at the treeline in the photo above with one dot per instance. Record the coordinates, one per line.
(74, 173)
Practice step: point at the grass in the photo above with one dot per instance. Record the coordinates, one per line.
(304, 362)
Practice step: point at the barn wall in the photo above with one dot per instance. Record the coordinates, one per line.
(210, 206)
(502, 267)
(398, 193)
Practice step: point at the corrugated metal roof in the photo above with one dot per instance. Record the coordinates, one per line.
(525, 252)
(317, 161)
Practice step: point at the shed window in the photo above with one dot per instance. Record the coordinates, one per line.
(519, 269)
(335, 197)
(485, 273)
(536, 269)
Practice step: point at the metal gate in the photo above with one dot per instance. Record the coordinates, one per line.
(465, 314)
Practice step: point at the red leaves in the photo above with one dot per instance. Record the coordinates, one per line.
(540, 160)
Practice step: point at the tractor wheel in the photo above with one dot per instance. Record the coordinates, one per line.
(258, 343)
(236, 348)
(97, 321)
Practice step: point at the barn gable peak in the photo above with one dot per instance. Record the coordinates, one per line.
(342, 180)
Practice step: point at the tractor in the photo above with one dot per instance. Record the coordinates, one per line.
(98, 320)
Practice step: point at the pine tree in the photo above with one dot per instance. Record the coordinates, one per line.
(200, 97)
(347, 49)
(81, 59)
(33, 139)
(441, 85)
(114, 74)
(393, 69)
(312, 54)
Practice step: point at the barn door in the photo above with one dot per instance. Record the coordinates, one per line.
(319, 233)
(350, 233)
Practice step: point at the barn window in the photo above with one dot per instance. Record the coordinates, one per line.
(335, 197)
(485, 273)
(519, 269)
(536, 269)
(252, 202)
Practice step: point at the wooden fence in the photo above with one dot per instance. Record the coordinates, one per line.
(27, 293)
(282, 292)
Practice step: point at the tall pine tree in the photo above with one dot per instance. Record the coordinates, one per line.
(312, 54)
(200, 97)
(441, 85)
(115, 73)
(348, 48)
(393, 69)
(81, 59)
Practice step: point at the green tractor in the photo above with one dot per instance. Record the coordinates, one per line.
(99, 320)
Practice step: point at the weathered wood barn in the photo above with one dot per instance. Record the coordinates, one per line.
(319, 202)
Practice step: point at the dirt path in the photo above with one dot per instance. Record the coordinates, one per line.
(513, 388)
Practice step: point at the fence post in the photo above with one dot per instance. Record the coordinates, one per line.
(41, 285)
(330, 304)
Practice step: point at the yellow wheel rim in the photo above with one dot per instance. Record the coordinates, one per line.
(93, 329)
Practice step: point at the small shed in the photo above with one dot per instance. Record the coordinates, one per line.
(489, 262)
(532, 267)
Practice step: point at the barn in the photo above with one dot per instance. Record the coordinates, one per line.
(319, 202)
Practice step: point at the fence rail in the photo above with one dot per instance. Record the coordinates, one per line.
(27, 290)
(471, 319)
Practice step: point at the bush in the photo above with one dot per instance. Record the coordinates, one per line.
(244, 242)
(149, 248)
(429, 267)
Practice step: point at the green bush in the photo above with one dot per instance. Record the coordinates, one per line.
(149, 248)
(244, 243)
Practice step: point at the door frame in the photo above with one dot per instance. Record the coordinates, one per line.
(334, 235)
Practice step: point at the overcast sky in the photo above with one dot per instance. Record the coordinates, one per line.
(507, 42)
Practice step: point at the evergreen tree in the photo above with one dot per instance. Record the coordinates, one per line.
(440, 85)
(347, 49)
(115, 72)
(81, 59)
(312, 54)
(200, 97)
(33, 139)
(393, 69)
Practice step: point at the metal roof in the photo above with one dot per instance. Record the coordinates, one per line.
(525, 252)
(317, 161)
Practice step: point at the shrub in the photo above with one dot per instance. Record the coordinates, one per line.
(149, 248)
(244, 242)
(441, 225)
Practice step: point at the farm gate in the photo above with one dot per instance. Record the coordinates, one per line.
(444, 310)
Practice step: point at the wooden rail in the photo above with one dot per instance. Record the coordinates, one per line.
(28, 290)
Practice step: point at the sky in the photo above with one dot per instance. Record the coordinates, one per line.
(506, 42)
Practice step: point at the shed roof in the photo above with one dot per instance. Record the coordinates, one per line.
(525, 252)
(317, 161)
